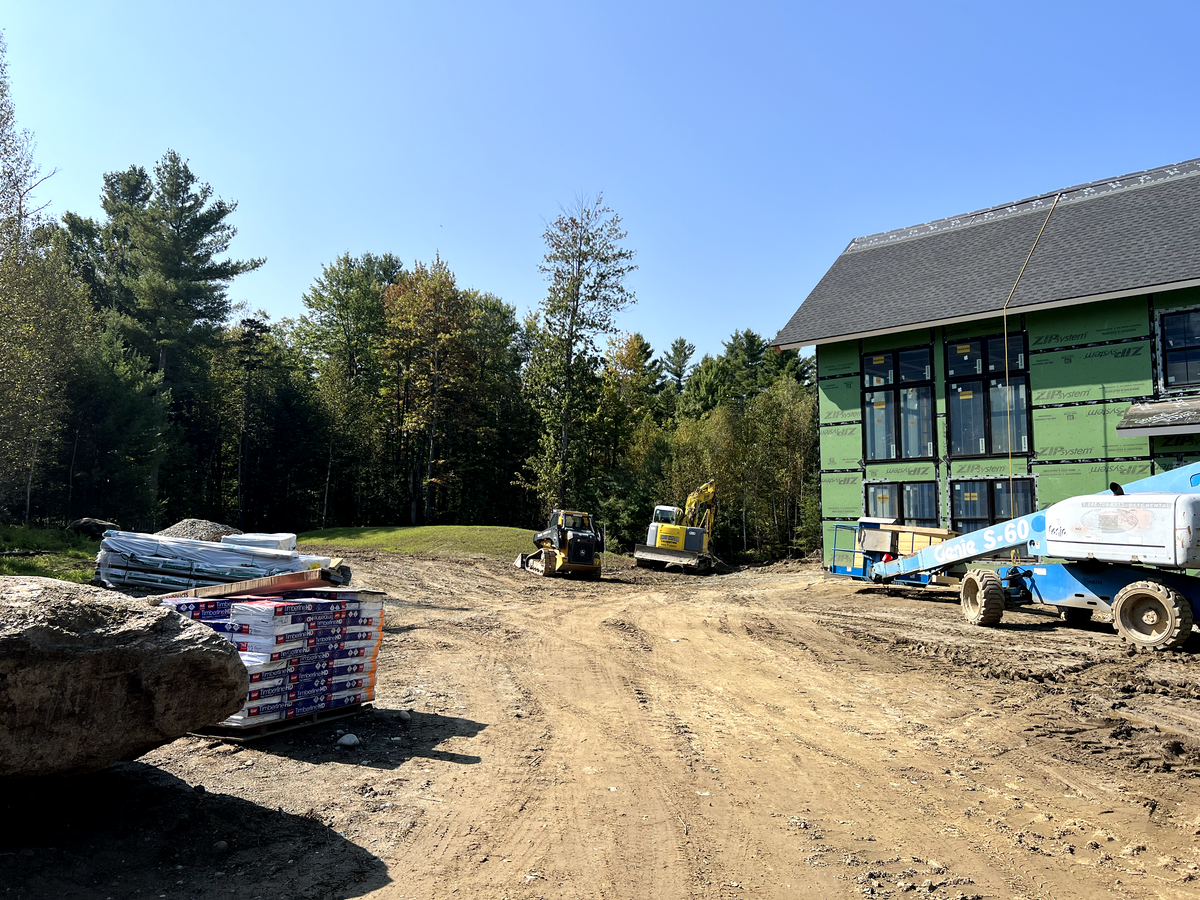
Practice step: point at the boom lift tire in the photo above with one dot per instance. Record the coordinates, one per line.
(1151, 616)
(983, 597)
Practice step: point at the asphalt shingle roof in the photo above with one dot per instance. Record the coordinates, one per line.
(1124, 234)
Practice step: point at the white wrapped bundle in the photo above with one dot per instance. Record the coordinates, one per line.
(318, 653)
(278, 541)
(273, 610)
(128, 557)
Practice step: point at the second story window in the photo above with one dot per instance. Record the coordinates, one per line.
(898, 411)
(988, 410)
(1181, 348)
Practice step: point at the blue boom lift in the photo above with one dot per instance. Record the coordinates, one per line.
(1124, 551)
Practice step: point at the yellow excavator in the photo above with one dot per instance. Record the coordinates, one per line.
(679, 537)
(569, 544)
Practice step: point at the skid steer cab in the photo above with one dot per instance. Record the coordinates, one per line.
(570, 545)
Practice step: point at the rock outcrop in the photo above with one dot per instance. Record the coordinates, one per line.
(89, 677)
(93, 528)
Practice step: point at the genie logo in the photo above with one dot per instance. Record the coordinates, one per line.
(1010, 534)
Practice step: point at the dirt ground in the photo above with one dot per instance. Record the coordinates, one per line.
(766, 733)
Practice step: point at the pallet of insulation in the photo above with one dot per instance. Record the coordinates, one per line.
(310, 652)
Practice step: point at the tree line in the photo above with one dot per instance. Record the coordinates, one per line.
(133, 389)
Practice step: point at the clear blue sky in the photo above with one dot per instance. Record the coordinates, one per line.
(744, 145)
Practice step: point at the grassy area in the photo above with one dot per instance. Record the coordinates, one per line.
(428, 540)
(66, 556)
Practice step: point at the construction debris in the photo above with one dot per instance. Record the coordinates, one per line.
(338, 575)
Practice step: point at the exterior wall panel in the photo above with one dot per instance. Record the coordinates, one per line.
(965, 330)
(1176, 299)
(841, 447)
(1112, 320)
(987, 468)
(1092, 373)
(921, 471)
(1058, 482)
(841, 495)
(837, 359)
(892, 341)
(1167, 463)
(840, 400)
(1084, 432)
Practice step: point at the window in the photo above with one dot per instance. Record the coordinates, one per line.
(911, 503)
(1181, 348)
(898, 413)
(978, 504)
(988, 412)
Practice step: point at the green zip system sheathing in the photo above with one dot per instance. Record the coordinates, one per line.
(1086, 365)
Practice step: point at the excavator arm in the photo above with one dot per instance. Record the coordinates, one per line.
(699, 511)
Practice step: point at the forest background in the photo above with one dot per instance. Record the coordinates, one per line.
(132, 389)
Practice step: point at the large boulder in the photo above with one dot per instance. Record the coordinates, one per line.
(89, 677)
(93, 528)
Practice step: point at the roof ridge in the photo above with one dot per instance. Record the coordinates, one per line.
(1005, 210)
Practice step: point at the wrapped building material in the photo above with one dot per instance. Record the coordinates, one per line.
(277, 541)
(149, 560)
(307, 651)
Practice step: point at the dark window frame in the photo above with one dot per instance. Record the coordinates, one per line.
(993, 518)
(1166, 352)
(901, 517)
(896, 388)
(983, 376)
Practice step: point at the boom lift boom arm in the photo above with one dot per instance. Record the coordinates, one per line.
(1126, 550)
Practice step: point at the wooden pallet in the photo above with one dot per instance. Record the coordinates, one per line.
(244, 734)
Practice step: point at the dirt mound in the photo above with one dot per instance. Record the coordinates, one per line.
(199, 530)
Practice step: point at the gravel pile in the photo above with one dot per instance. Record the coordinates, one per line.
(198, 530)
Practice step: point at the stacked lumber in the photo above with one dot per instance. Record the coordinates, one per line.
(154, 561)
(307, 650)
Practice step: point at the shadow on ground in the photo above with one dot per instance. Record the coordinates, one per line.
(387, 739)
(133, 830)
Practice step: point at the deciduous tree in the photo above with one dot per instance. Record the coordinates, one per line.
(587, 266)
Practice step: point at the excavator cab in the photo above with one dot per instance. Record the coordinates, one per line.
(667, 515)
(680, 536)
